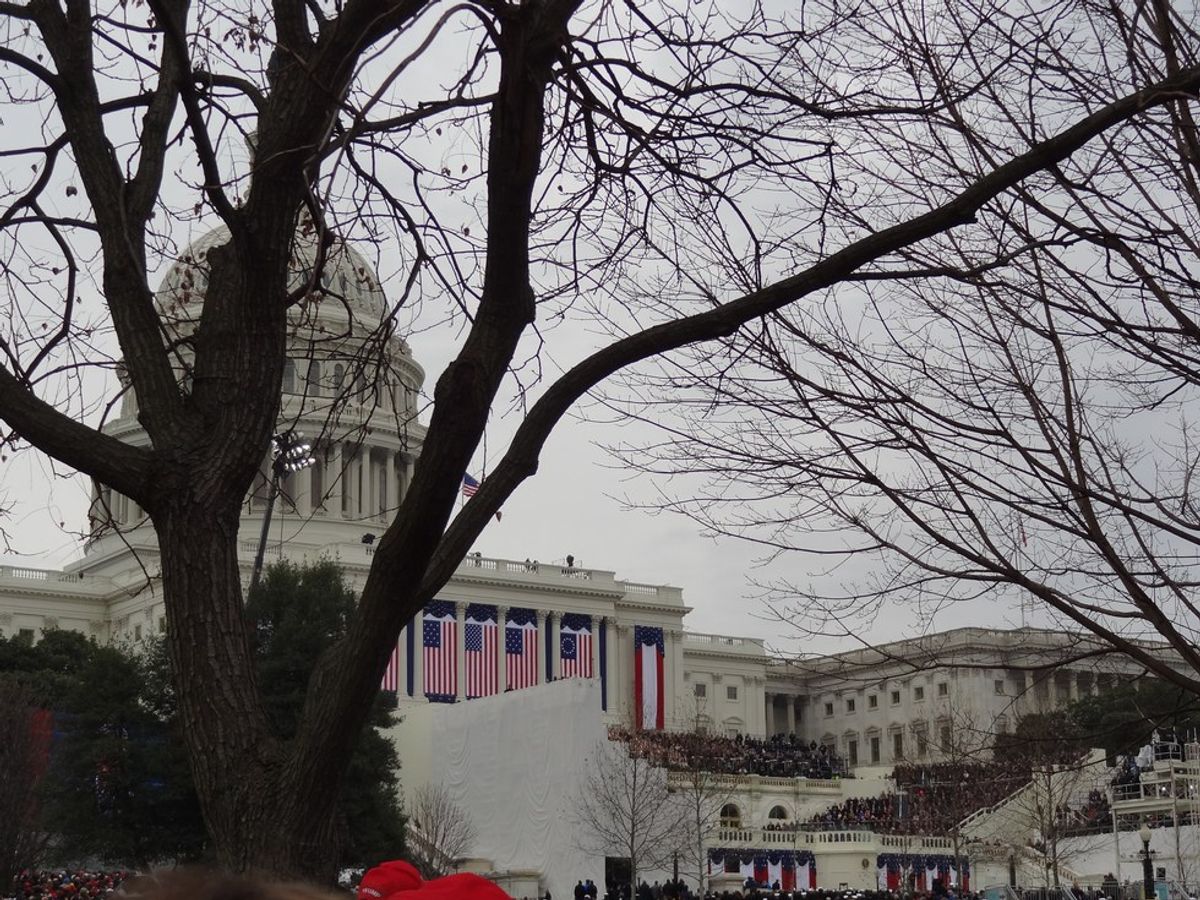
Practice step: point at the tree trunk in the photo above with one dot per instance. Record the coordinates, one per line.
(257, 817)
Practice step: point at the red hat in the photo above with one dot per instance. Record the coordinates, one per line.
(389, 879)
(465, 886)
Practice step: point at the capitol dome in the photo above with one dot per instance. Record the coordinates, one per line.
(350, 384)
(349, 292)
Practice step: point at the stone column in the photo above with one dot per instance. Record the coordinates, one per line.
(674, 651)
(543, 621)
(791, 713)
(501, 668)
(595, 649)
(616, 675)
(357, 482)
(1073, 684)
(335, 482)
(418, 624)
(460, 656)
(768, 713)
(304, 497)
(1030, 693)
(556, 649)
(402, 661)
(375, 483)
(395, 466)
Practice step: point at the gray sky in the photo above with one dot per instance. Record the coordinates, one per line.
(573, 505)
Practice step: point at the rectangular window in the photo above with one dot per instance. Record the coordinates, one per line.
(829, 709)
(137, 632)
(895, 698)
(918, 693)
(945, 735)
(852, 752)
(700, 690)
(731, 692)
(26, 635)
(898, 745)
(873, 701)
(943, 689)
(998, 685)
(922, 743)
(874, 749)
(850, 705)
(162, 623)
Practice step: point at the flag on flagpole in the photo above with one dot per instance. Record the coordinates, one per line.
(648, 652)
(575, 646)
(391, 676)
(439, 634)
(520, 648)
(479, 645)
(469, 485)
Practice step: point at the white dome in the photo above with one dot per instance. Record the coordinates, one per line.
(349, 292)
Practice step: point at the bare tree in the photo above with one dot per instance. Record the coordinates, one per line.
(24, 755)
(1003, 415)
(658, 176)
(440, 831)
(700, 795)
(623, 806)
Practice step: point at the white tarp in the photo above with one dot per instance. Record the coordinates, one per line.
(513, 761)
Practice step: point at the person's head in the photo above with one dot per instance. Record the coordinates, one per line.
(208, 884)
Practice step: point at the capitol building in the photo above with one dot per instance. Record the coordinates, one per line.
(606, 651)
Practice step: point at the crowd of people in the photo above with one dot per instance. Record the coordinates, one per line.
(66, 884)
(773, 893)
(929, 799)
(1092, 817)
(782, 756)
(669, 890)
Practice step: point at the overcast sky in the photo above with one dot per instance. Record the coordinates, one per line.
(575, 504)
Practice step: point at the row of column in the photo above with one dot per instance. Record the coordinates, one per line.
(352, 481)
(616, 665)
(773, 726)
(460, 656)
(1056, 697)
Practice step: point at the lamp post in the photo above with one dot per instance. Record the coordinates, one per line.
(1147, 866)
(290, 453)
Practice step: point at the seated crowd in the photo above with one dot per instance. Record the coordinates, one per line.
(66, 885)
(930, 798)
(762, 893)
(1093, 817)
(782, 756)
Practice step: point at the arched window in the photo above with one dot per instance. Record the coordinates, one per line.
(731, 816)
(339, 378)
(289, 377)
(778, 813)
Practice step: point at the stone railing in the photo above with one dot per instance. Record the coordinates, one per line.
(752, 646)
(804, 837)
(24, 573)
(797, 786)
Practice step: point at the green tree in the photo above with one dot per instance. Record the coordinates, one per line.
(296, 614)
(1122, 719)
(118, 787)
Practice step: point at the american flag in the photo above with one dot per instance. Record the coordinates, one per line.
(575, 646)
(469, 486)
(391, 678)
(439, 635)
(479, 641)
(520, 648)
